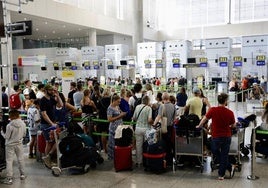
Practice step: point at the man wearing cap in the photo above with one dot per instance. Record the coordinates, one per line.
(194, 104)
(48, 103)
(28, 92)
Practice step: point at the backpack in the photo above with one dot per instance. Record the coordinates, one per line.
(137, 102)
(14, 101)
(71, 145)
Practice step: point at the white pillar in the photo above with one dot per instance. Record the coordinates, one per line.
(137, 36)
(92, 37)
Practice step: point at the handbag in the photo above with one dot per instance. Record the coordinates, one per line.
(163, 121)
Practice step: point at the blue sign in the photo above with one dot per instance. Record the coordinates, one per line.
(237, 63)
(159, 65)
(96, 67)
(148, 66)
(87, 67)
(260, 63)
(15, 76)
(223, 64)
(203, 64)
(74, 67)
(176, 65)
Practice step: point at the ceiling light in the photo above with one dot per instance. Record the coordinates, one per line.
(79, 29)
(58, 37)
(45, 36)
(68, 34)
(38, 39)
(25, 18)
(64, 26)
(45, 22)
(53, 31)
(36, 29)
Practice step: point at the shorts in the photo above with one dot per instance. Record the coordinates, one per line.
(45, 129)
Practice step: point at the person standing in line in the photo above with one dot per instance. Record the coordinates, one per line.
(77, 96)
(194, 104)
(181, 100)
(115, 117)
(143, 117)
(15, 132)
(223, 121)
(71, 93)
(33, 120)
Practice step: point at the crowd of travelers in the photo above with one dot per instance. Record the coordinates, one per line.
(47, 105)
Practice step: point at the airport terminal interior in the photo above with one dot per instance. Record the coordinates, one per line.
(213, 46)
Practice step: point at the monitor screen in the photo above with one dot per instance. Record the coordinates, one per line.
(123, 62)
(191, 60)
(215, 79)
(68, 64)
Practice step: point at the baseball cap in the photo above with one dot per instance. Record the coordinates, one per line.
(196, 90)
(48, 87)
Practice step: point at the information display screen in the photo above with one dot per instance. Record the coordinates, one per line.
(223, 64)
(260, 63)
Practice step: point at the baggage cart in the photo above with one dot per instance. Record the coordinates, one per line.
(189, 143)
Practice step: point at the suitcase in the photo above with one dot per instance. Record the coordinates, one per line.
(41, 146)
(122, 158)
(154, 157)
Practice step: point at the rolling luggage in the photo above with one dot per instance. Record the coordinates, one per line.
(154, 157)
(41, 146)
(122, 158)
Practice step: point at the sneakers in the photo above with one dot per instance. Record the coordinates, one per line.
(7, 181)
(232, 171)
(221, 178)
(47, 161)
(31, 156)
(22, 177)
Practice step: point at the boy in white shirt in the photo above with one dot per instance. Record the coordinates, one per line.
(15, 131)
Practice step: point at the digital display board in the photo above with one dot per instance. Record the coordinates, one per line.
(73, 63)
(159, 65)
(147, 61)
(109, 63)
(95, 63)
(260, 57)
(55, 64)
(158, 61)
(86, 63)
(96, 67)
(177, 60)
(203, 60)
(176, 65)
(190, 65)
(237, 58)
(223, 59)
(87, 67)
(110, 67)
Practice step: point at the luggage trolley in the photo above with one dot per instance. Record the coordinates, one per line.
(189, 143)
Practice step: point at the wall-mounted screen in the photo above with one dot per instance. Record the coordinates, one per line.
(191, 60)
(123, 62)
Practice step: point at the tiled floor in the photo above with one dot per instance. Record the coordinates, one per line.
(105, 176)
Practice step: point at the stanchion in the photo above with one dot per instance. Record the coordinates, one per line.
(253, 155)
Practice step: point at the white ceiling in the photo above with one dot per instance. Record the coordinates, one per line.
(45, 29)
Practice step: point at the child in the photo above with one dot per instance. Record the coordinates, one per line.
(33, 120)
(15, 131)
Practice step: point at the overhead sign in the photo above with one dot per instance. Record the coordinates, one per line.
(223, 59)
(158, 61)
(260, 57)
(237, 63)
(176, 60)
(260, 63)
(147, 61)
(203, 64)
(223, 64)
(176, 65)
(237, 58)
(203, 60)
(21, 28)
(148, 66)
(190, 65)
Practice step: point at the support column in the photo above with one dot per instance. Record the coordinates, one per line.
(92, 37)
(7, 51)
(137, 36)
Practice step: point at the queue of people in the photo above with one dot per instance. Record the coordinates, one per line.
(118, 107)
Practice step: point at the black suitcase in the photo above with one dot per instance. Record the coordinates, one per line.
(154, 157)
